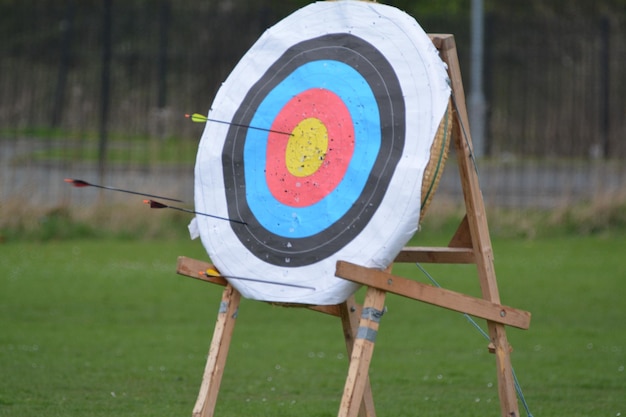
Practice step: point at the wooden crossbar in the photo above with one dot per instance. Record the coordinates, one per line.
(441, 255)
(194, 268)
(441, 297)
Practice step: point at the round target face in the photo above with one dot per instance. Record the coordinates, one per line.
(327, 126)
(328, 111)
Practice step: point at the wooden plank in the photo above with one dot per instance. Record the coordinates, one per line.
(350, 316)
(191, 268)
(477, 225)
(474, 204)
(462, 237)
(331, 310)
(433, 295)
(218, 352)
(438, 38)
(437, 255)
(362, 352)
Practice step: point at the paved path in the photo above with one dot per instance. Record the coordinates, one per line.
(510, 185)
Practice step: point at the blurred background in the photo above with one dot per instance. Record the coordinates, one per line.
(98, 90)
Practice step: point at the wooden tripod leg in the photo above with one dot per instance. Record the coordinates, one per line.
(362, 352)
(477, 225)
(506, 382)
(222, 335)
(350, 313)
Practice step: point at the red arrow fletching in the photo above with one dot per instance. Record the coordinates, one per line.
(77, 183)
(155, 204)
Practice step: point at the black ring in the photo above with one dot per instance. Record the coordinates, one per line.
(384, 83)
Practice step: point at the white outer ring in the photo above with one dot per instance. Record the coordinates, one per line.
(424, 82)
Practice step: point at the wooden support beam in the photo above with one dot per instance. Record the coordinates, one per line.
(218, 352)
(362, 352)
(436, 255)
(190, 267)
(350, 316)
(462, 237)
(477, 223)
(433, 295)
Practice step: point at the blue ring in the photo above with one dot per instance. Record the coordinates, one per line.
(301, 222)
(384, 86)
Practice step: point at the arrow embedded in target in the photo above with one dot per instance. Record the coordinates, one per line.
(199, 118)
(214, 274)
(157, 205)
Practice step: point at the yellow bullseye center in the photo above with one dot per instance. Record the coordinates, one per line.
(307, 147)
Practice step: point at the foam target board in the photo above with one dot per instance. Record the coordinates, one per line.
(316, 146)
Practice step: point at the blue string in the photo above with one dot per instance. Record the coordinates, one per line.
(518, 388)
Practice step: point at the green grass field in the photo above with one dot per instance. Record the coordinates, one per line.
(104, 327)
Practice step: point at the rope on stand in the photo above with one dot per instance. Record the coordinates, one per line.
(518, 388)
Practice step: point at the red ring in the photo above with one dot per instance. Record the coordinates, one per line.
(327, 107)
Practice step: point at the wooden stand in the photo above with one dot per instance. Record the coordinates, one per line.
(470, 244)
(349, 312)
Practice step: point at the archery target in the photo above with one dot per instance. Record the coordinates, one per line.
(331, 116)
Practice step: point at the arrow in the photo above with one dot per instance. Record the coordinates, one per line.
(213, 273)
(81, 183)
(199, 118)
(157, 205)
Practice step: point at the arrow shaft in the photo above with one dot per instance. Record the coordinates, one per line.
(207, 215)
(135, 193)
(81, 183)
(197, 117)
(263, 281)
(158, 205)
(284, 284)
(249, 127)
